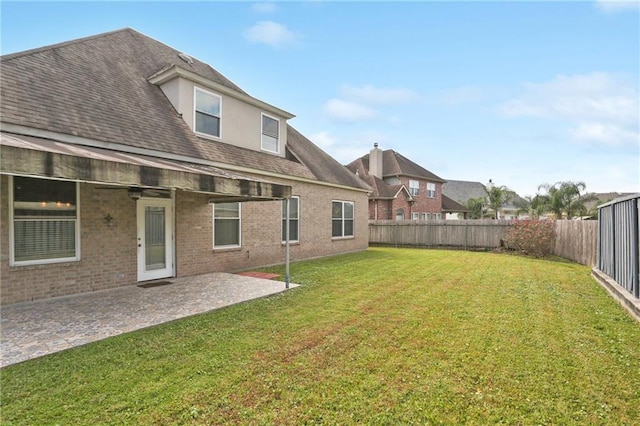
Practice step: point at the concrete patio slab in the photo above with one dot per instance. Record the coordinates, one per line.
(34, 329)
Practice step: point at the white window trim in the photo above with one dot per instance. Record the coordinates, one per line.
(277, 151)
(435, 190)
(343, 236)
(213, 229)
(12, 261)
(414, 190)
(281, 219)
(415, 216)
(206, 135)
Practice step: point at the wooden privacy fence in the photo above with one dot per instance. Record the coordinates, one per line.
(575, 239)
(484, 234)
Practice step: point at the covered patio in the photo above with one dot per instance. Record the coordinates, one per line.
(34, 329)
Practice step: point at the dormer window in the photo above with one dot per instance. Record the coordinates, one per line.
(270, 134)
(208, 109)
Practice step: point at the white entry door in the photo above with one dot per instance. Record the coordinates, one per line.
(155, 238)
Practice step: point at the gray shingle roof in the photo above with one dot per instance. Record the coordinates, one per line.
(394, 164)
(449, 205)
(461, 190)
(97, 88)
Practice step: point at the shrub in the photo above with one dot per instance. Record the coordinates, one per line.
(533, 237)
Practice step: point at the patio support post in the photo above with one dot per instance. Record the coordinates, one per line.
(286, 249)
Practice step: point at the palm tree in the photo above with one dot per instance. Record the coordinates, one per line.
(475, 206)
(498, 197)
(564, 198)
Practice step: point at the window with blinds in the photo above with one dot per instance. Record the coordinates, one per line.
(226, 225)
(45, 221)
(270, 133)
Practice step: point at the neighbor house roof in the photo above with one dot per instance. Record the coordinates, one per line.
(394, 164)
(97, 89)
(382, 190)
(449, 205)
(461, 190)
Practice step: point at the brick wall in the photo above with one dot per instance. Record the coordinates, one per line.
(261, 231)
(109, 249)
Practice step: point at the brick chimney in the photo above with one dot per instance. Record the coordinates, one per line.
(375, 161)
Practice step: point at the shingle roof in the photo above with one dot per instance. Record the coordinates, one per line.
(380, 188)
(461, 191)
(395, 164)
(97, 88)
(449, 205)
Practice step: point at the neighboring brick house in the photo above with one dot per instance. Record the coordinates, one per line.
(125, 160)
(402, 189)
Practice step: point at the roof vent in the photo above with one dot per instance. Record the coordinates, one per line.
(186, 58)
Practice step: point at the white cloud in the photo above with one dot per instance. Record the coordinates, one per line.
(371, 95)
(612, 6)
(597, 107)
(359, 103)
(323, 139)
(263, 7)
(342, 110)
(604, 133)
(272, 34)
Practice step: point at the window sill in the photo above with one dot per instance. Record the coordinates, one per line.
(348, 237)
(226, 249)
(291, 243)
(40, 265)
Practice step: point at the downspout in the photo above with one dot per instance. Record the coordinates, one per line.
(286, 245)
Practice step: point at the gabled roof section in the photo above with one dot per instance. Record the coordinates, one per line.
(95, 91)
(449, 205)
(395, 164)
(382, 190)
(321, 164)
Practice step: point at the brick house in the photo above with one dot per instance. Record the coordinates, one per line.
(402, 189)
(124, 160)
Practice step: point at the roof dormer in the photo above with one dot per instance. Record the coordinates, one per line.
(217, 112)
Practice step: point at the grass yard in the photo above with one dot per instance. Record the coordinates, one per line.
(388, 336)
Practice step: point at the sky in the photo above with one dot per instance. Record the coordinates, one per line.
(523, 93)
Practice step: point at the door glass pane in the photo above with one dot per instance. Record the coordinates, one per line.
(155, 247)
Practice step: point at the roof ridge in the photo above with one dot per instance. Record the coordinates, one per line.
(20, 54)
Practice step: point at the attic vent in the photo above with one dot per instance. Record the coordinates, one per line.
(186, 58)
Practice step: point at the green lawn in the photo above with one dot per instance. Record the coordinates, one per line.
(388, 336)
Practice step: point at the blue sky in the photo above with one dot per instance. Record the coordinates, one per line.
(523, 93)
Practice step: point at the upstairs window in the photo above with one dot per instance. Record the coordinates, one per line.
(342, 219)
(270, 133)
(294, 219)
(431, 190)
(414, 187)
(226, 225)
(208, 108)
(45, 221)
